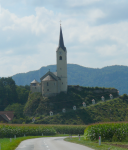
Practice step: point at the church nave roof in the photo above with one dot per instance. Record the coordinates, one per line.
(48, 78)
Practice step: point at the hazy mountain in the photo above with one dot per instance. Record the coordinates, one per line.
(110, 76)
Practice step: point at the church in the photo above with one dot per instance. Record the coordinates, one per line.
(53, 83)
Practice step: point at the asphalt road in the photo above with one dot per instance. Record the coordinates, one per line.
(50, 143)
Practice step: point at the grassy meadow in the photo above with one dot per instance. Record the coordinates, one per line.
(7, 145)
(95, 144)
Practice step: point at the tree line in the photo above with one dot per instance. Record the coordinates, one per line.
(10, 93)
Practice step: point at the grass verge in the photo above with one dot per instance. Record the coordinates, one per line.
(95, 145)
(7, 145)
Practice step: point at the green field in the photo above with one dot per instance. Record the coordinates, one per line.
(9, 130)
(112, 132)
(103, 146)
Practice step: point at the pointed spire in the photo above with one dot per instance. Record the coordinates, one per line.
(61, 41)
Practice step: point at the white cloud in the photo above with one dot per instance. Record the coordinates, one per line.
(107, 50)
(29, 42)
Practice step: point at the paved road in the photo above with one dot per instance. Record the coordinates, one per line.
(50, 143)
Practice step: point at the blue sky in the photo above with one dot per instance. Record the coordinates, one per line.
(95, 33)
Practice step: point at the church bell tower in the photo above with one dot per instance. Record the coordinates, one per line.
(61, 56)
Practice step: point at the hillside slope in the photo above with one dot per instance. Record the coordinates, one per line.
(111, 76)
(109, 111)
(39, 107)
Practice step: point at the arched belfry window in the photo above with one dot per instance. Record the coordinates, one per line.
(60, 58)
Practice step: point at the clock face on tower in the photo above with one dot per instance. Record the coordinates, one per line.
(60, 53)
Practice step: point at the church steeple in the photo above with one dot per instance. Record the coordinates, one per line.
(61, 41)
(61, 57)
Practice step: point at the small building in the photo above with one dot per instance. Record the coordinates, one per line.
(6, 116)
(111, 96)
(103, 98)
(84, 104)
(35, 86)
(63, 110)
(74, 107)
(93, 102)
(33, 119)
(51, 113)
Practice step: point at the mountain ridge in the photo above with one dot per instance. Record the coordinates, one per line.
(109, 76)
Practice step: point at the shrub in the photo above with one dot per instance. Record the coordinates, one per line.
(70, 129)
(7, 131)
(108, 131)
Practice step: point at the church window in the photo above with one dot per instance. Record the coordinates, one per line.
(62, 82)
(47, 83)
(60, 58)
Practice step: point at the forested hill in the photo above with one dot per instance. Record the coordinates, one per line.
(111, 76)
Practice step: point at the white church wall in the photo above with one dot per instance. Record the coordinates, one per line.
(49, 88)
(35, 88)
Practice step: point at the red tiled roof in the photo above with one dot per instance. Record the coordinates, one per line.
(8, 114)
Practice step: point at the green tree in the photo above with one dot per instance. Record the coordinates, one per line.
(22, 93)
(17, 108)
(8, 94)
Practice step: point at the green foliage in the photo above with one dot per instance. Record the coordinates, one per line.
(69, 129)
(108, 111)
(7, 145)
(23, 120)
(38, 105)
(17, 108)
(108, 132)
(22, 92)
(95, 144)
(37, 130)
(9, 131)
(10, 93)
